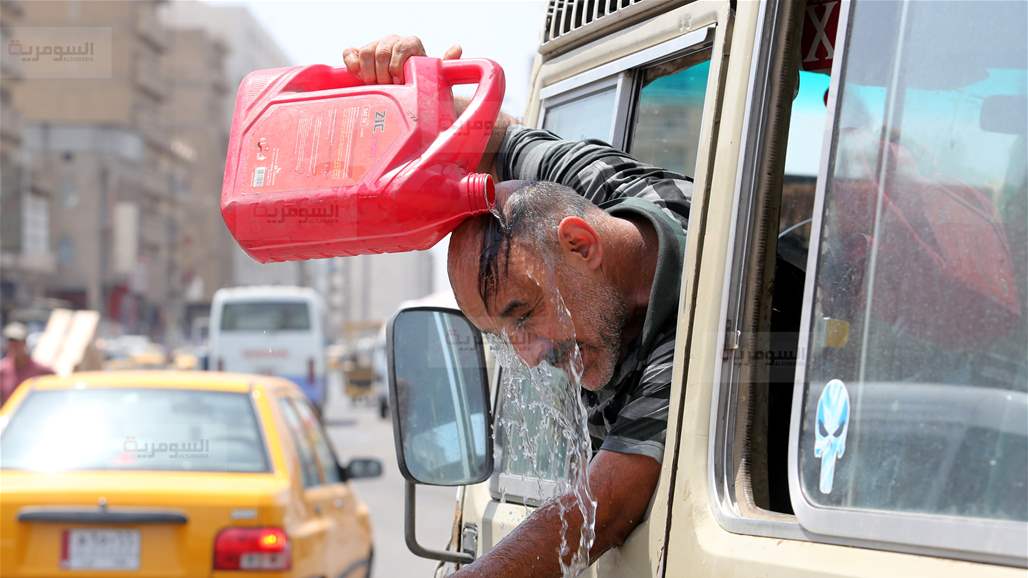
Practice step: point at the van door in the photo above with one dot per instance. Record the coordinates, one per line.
(868, 408)
(653, 102)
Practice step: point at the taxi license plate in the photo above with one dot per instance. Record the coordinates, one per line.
(89, 549)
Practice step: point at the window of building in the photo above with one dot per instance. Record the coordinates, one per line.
(10, 203)
(36, 225)
(66, 251)
(69, 192)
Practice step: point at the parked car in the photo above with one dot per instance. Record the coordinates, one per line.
(175, 474)
(132, 352)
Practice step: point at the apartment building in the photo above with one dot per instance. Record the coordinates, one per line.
(248, 47)
(194, 66)
(27, 263)
(93, 122)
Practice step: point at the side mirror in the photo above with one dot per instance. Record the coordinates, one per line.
(439, 395)
(359, 468)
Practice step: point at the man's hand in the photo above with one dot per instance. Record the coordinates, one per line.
(622, 485)
(381, 61)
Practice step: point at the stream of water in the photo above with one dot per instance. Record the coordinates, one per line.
(544, 435)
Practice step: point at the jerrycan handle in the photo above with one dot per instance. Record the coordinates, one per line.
(475, 124)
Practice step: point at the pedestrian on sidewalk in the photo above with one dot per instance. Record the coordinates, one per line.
(17, 366)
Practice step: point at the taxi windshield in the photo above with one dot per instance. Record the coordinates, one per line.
(134, 429)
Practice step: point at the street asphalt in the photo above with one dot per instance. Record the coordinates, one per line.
(357, 431)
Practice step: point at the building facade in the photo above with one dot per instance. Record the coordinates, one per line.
(195, 68)
(27, 264)
(95, 126)
(249, 47)
(112, 164)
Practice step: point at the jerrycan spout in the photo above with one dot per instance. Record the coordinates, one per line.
(479, 190)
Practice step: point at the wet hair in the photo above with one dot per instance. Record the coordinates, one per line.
(531, 212)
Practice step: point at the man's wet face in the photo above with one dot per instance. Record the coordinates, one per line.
(527, 309)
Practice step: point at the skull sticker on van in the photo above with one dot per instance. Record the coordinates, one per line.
(833, 413)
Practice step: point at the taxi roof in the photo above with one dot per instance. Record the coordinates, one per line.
(158, 379)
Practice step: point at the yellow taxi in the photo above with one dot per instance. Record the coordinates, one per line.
(162, 473)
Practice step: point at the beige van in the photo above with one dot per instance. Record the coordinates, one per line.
(850, 392)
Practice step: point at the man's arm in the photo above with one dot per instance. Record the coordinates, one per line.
(594, 169)
(503, 121)
(622, 485)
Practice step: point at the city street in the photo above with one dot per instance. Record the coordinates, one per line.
(357, 431)
(671, 287)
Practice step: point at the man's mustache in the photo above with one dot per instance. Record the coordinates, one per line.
(560, 353)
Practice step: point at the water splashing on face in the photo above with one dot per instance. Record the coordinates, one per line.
(543, 433)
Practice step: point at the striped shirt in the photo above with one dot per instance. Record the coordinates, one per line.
(629, 414)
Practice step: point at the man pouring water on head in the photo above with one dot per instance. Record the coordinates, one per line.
(580, 265)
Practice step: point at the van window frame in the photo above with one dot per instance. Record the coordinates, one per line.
(620, 74)
(724, 405)
(531, 491)
(621, 83)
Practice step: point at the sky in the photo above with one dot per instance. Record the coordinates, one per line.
(507, 31)
(316, 32)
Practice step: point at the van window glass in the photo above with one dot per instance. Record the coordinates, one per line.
(548, 460)
(585, 117)
(301, 442)
(266, 316)
(916, 381)
(665, 129)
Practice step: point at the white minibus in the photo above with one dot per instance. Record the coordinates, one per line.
(273, 330)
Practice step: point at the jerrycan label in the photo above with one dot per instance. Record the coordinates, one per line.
(320, 144)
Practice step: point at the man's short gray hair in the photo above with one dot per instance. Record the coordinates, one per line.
(531, 212)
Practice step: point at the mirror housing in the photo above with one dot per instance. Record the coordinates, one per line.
(439, 397)
(360, 468)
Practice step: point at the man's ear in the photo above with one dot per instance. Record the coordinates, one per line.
(577, 237)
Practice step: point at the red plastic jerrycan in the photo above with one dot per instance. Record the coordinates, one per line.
(321, 165)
